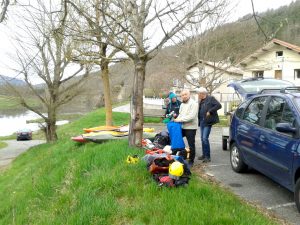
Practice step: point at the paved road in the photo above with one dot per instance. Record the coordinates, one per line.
(252, 185)
(15, 148)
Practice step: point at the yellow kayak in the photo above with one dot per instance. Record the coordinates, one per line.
(114, 128)
(113, 133)
(101, 128)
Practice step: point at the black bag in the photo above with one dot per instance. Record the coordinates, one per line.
(161, 140)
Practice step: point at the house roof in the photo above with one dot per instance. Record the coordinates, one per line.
(220, 66)
(267, 47)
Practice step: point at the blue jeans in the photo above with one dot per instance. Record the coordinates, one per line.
(205, 131)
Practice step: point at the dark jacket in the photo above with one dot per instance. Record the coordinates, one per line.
(173, 107)
(211, 105)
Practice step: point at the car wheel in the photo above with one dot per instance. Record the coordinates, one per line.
(297, 194)
(237, 163)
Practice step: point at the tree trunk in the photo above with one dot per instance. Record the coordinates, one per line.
(50, 131)
(50, 128)
(106, 92)
(136, 105)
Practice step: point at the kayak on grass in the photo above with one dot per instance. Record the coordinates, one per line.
(113, 133)
(123, 128)
(101, 128)
(79, 139)
(106, 137)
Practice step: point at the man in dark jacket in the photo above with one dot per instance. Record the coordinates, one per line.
(174, 104)
(207, 116)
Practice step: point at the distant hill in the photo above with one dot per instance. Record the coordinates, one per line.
(231, 41)
(11, 80)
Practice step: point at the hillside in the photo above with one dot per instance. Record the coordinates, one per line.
(12, 81)
(69, 183)
(231, 41)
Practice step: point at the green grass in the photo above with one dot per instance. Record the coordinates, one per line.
(223, 121)
(70, 117)
(2, 144)
(70, 183)
(13, 103)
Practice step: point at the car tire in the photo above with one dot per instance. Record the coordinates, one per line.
(297, 194)
(236, 160)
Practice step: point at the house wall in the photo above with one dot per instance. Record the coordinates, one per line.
(226, 77)
(268, 62)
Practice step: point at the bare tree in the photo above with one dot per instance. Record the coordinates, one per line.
(211, 64)
(47, 56)
(3, 10)
(97, 50)
(149, 25)
(210, 75)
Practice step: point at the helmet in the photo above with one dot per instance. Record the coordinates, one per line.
(176, 170)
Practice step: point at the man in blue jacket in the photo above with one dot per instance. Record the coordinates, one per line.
(207, 116)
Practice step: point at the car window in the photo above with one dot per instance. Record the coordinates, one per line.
(274, 112)
(240, 109)
(253, 112)
(278, 112)
(287, 115)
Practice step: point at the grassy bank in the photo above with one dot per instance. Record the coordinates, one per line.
(68, 183)
(2, 144)
(13, 103)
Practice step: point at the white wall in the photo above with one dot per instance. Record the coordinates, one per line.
(269, 63)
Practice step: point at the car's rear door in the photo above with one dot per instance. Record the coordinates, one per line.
(276, 149)
(248, 129)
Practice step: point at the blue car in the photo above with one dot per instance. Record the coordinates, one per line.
(265, 133)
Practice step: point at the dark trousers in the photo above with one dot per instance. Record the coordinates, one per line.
(190, 137)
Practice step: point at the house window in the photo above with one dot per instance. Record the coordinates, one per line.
(279, 53)
(296, 74)
(259, 73)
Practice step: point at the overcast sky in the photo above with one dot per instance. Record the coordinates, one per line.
(240, 8)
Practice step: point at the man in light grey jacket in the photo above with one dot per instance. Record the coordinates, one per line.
(188, 116)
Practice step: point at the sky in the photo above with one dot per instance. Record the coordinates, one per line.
(244, 7)
(239, 9)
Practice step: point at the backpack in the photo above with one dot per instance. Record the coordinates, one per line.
(161, 140)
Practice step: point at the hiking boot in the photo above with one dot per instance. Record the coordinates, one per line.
(201, 157)
(206, 160)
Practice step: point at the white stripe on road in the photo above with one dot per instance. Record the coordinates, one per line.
(281, 205)
(215, 165)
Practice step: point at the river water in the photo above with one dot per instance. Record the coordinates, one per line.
(10, 124)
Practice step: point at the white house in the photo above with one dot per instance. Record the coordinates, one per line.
(277, 59)
(216, 74)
